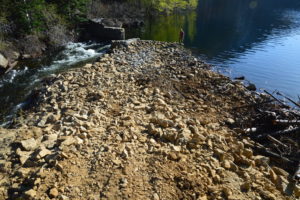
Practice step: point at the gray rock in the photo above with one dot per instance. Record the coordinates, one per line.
(43, 152)
(63, 197)
(230, 121)
(53, 193)
(26, 56)
(50, 141)
(23, 155)
(155, 196)
(42, 122)
(67, 141)
(30, 193)
(30, 144)
(3, 62)
(23, 172)
(125, 43)
(251, 87)
(51, 137)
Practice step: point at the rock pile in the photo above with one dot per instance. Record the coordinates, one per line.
(147, 121)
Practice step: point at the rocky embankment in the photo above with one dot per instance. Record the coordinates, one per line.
(147, 121)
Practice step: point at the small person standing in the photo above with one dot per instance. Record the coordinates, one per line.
(181, 36)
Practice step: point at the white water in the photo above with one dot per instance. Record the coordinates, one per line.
(74, 53)
(16, 85)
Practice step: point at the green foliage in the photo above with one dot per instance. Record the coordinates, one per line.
(29, 15)
(3, 45)
(3, 23)
(73, 11)
(168, 5)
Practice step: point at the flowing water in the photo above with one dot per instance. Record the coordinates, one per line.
(259, 39)
(16, 85)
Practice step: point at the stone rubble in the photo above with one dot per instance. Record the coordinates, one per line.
(146, 121)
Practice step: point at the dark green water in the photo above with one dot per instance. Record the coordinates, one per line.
(258, 39)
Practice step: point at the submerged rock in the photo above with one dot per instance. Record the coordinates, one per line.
(251, 87)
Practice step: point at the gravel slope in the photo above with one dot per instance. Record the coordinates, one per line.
(147, 121)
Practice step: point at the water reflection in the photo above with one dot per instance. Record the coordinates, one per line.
(166, 28)
(236, 25)
(249, 37)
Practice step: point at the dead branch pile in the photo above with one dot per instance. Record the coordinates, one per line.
(275, 127)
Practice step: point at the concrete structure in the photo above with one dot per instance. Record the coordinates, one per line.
(96, 30)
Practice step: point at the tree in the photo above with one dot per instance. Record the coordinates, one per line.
(28, 15)
(73, 10)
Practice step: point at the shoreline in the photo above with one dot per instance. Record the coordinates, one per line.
(148, 120)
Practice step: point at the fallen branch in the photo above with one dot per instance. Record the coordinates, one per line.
(281, 132)
(287, 122)
(295, 103)
(293, 112)
(276, 141)
(269, 153)
(258, 147)
(283, 104)
(253, 104)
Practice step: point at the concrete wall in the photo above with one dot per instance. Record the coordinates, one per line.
(98, 31)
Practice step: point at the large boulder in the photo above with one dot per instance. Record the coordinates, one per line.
(103, 30)
(3, 62)
(12, 57)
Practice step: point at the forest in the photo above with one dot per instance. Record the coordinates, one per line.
(52, 18)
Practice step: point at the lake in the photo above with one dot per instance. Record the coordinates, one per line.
(257, 39)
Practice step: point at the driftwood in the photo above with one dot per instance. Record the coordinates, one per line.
(272, 139)
(253, 104)
(275, 126)
(287, 122)
(295, 113)
(295, 103)
(270, 153)
(276, 99)
(280, 132)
